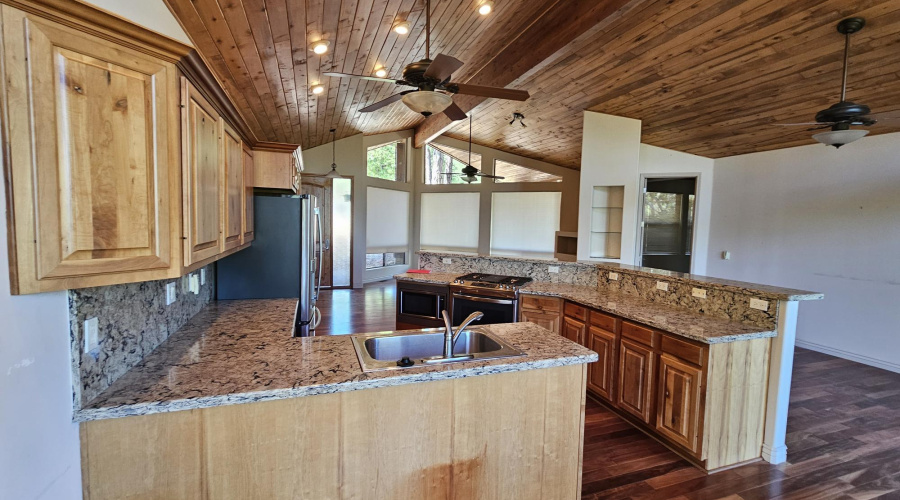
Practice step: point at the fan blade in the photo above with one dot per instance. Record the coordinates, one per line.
(364, 77)
(806, 124)
(442, 67)
(885, 116)
(385, 102)
(491, 176)
(496, 92)
(454, 112)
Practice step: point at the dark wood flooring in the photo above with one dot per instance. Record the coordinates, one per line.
(843, 430)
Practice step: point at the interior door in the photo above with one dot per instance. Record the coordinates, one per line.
(320, 187)
(667, 223)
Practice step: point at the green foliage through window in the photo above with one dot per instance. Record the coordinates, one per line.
(383, 162)
(439, 162)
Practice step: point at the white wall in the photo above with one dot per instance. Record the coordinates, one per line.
(821, 219)
(661, 162)
(39, 448)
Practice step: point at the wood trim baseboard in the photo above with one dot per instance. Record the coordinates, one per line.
(108, 26)
(840, 353)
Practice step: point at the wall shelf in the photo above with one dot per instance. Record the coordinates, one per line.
(607, 206)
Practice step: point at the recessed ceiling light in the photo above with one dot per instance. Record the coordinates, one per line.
(381, 72)
(401, 28)
(318, 89)
(320, 47)
(486, 8)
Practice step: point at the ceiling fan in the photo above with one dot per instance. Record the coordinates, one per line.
(469, 173)
(839, 117)
(431, 79)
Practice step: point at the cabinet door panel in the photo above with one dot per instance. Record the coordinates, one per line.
(678, 414)
(573, 330)
(89, 138)
(248, 197)
(635, 387)
(601, 374)
(232, 189)
(202, 179)
(547, 320)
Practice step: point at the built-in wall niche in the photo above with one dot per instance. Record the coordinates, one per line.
(606, 222)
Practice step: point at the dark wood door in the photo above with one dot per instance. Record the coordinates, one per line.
(601, 374)
(573, 330)
(320, 187)
(678, 413)
(635, 387)
(547, 320)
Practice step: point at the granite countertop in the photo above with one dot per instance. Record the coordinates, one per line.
(699, 327)
(241, 351)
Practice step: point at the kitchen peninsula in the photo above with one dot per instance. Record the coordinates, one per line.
(701, 364)
(232, 406)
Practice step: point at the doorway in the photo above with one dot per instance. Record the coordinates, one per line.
(667, 223)
(335, 198)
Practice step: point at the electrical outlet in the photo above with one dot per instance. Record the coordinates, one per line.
(194, 281)
(699, 293)
(762, 305)
(170, 293)
(203, 276)
(614, 276)
(447, 260)
(91, 335)
(662, 285)
(552, 269)
(726, 255)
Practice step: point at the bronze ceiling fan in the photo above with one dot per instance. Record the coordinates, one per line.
(839, 117)
(433, 88)
(469, 173)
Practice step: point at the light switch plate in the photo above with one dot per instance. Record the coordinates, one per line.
(447, 260)
(762, 305)
(614, 276)
(662, 285)
(170, 293)
(195, 284)
(91, 334)
(699, 293)
(552, 269)
(726, 255)
(203, 276)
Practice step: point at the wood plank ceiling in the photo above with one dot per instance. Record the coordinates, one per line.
(705, 77)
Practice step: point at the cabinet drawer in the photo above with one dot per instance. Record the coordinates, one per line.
(576, 311)
(604, 321)
(639, 333)
(684, 350)
(546, 304)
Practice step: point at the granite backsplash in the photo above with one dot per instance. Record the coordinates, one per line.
(133, 320)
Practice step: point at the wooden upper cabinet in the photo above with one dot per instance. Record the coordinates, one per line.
(92, 158)
(248, 197)
(274, 170)
(678, 414)
(635, 381)
(202, 182)
(232, 189)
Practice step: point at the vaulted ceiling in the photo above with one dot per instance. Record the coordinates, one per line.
(705, 77)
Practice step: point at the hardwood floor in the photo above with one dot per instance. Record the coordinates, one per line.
(843, 443)
(368, 309)
(843, 430)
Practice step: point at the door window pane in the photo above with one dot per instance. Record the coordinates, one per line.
(341, 230)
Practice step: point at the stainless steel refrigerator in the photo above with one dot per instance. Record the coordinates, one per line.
(282, 262)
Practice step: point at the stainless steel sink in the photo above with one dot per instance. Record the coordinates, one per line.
(425, 347)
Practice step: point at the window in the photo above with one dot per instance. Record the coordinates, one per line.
(387, 161)
(449, 222)
(524, 224)
(387, 227)
(517, 173)
(441, 160)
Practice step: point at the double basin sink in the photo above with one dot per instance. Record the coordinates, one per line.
(426, 347)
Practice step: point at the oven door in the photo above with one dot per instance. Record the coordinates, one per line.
(495, 309)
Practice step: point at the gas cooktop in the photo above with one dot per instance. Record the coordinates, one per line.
(492, 281)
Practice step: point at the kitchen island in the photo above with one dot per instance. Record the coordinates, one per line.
(232, 407)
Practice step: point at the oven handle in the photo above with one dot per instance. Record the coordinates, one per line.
(483, 299)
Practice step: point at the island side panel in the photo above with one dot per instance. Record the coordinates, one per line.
(477, 437)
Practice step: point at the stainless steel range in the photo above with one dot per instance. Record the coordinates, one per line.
(495, 295)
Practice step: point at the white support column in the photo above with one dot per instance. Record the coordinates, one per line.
(781, 364)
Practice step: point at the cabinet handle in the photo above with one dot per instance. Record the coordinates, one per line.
(667, 393)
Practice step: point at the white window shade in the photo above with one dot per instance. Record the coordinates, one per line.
(524, 224)
(449, 222)
(387, 220)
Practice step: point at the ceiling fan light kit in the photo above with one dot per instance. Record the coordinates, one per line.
(427, 103)
(838, 138)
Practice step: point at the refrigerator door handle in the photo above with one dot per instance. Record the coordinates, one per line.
(321, 253)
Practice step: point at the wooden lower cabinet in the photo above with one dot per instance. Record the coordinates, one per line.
(548, 320)
(678, 408)
(636, 382)
(602, 373)
(510, 435)
(542, 311)
(574, 330)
